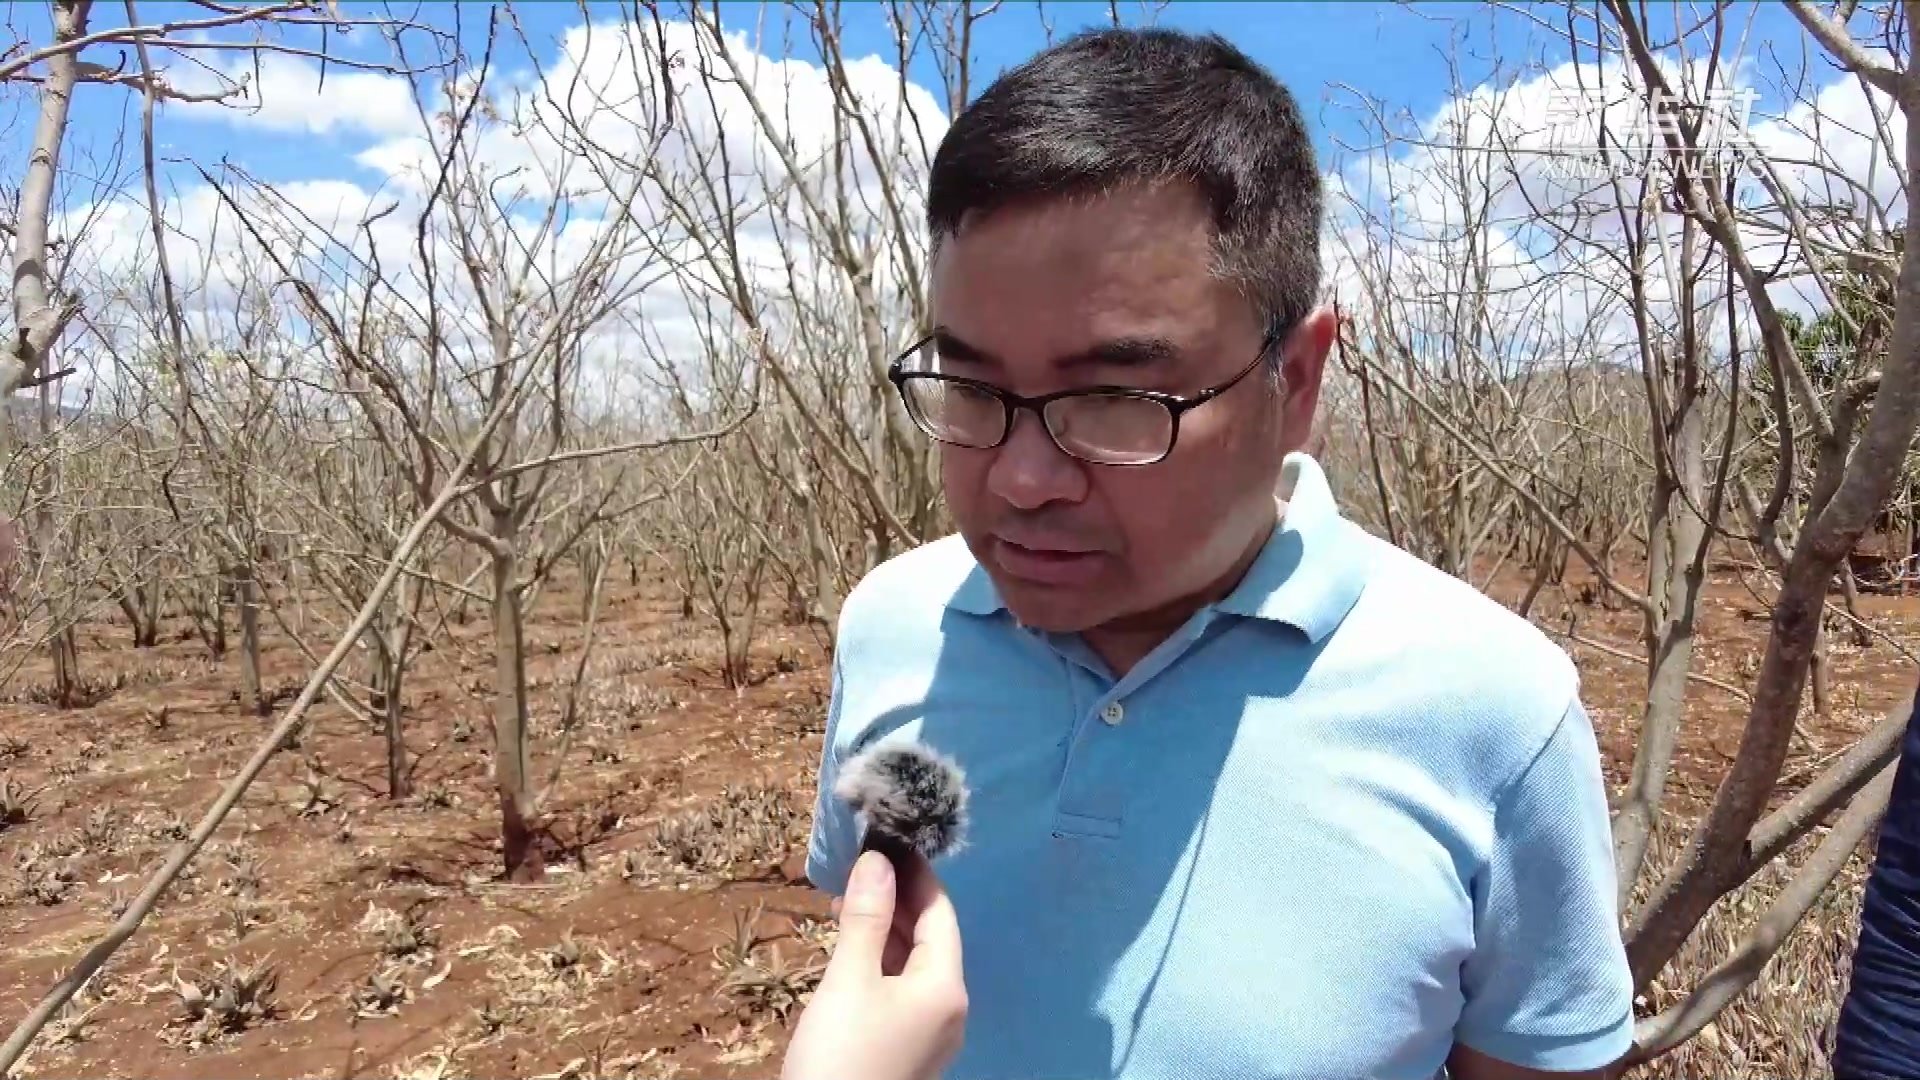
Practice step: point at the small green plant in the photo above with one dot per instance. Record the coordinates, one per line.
(51, 883)
(67, 843)
(170, 829)
(232, 999)
(315, 797)
(401, 934)
(750, 823)
(243, 874)
(43, 877)
(738, 950)
(100, 830)
(773, 985)
(565, 955)
(491, 1018)
(243, 914)
(17, 804)
(381, 995)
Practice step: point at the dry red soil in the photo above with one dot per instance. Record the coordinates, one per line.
(618, 964)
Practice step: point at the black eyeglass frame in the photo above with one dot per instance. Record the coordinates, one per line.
(1177, 405)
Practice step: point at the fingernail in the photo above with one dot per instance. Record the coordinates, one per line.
(872, 874)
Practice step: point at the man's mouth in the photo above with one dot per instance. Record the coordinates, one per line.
(1046, 565)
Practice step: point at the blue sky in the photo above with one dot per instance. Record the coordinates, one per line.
(1341, 59)
(1333, 55)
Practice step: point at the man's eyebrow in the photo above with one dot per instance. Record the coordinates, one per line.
(952, 348)
(1130, 352)
(1127, 352)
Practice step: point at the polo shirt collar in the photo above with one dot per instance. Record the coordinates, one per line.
(976, 594)
(1308, 574)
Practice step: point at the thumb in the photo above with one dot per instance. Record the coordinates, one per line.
(866, 918)
(936, 929)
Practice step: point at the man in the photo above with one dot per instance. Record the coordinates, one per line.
(1253, 793)
(1878, 1034)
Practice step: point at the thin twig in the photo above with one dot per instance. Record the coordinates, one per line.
(1622, 654)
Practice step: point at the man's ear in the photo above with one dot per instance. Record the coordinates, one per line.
(1316, 444)
(1303, 362)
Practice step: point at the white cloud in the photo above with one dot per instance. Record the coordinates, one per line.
(1846, 144)
(1841, 147)
(1471, 200)
(282, 93)
(1463, 203)
(576, 143)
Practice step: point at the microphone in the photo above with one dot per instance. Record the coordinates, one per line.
(911, 798)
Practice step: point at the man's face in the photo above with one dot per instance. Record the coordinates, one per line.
(1037, 298)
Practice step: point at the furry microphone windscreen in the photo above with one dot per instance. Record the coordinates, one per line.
(910, 797)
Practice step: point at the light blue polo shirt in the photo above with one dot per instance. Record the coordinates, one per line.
(1343, 818)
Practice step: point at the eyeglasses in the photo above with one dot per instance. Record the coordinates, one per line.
(1104, 425)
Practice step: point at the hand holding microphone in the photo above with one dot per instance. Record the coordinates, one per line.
(893, 1002)
(866, 1024)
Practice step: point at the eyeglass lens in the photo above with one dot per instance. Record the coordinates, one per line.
(1096, 427)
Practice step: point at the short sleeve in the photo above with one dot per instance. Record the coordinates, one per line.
(1548, 986)
(834, 842)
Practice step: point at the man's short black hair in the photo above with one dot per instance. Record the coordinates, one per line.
(1111, 107)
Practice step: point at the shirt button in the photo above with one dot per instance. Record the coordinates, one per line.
(1113, 713)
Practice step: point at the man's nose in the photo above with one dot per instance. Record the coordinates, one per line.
(1030, 470)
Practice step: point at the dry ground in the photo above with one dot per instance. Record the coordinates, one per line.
(674, 936)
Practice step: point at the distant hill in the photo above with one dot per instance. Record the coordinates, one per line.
(22, 417)
(24, 407)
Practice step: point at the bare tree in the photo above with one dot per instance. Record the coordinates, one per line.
(1842, 505)
(515, 269)
(1742, 434)
(815, 242)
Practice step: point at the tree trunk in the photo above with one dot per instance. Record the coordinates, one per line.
(591, 559)
(1913, 542)
(149, 598)
(140, 603)
(40, 313)
(246, 601)
(1669, 654)
(825, 602)
(1676, 571)
(210, 619)
(393, 655)
(62, 648)
(396, 747)
(382, 700)
(1542, 569)
(895, 432)
(65, 652)
(511, 772)
(1850, 595)
(1820, 673)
